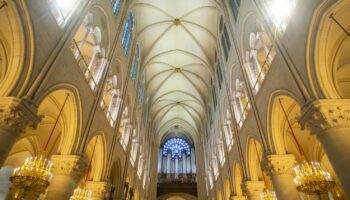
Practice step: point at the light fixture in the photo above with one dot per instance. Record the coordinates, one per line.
(35, 174)
(82, 193)
(267, 195)
(310, 178)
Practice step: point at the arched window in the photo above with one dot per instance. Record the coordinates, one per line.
(116, 4)
(89, 52)
(140, 92)
(240, 102)
(135, 66)
(111, 99)
(259, 57)
(218, 71)
(125, 129)
(127, 33)
(225, 38)
(134, 147)
(176, 146)
(234, 5)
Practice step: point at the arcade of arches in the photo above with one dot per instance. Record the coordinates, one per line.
(174, 100)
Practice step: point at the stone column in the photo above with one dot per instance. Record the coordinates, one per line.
(67, 169)
(280, 169)
(15, 116)
(184, 164)
(99, 189)
(329, 120)
(253, 189)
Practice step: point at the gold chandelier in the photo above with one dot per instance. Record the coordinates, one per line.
(81, 194)
(312, 179)
(34, 175)
(267, 195)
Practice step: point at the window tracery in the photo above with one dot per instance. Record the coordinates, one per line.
(176, 146)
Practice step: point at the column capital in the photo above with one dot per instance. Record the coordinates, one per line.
(17, 114)
(253, 188)
(279, 164)
(325, 114)
(99, 189)
(72, 165)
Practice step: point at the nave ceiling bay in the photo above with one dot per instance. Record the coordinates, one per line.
(178, 43)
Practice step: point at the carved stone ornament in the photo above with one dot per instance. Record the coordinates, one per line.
(279, 164)
(17, 114)
(321, 115)
(99, 189)
(253, 188)
(72, 165)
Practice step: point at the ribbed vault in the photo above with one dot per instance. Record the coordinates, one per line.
(178, 41)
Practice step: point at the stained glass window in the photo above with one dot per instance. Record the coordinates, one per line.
(140, 92)
(135, 65)
(176, 146)
(116, 6)
(127, 33)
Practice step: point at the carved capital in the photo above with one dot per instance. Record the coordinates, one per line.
(99, 189)
(17, 114)
(321, 115)
(71, 165)
(253, 188)
(279, 164)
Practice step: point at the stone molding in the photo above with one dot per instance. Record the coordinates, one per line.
(321, 115)
(253, 188)
(99, 189)
(279, 164)
(17, 114)
(71, 165)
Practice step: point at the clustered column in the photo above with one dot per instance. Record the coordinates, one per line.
(15, 116)
(67, 170)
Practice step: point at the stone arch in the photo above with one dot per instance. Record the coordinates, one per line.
(237, 179)
(328, 51)
(253, 155)
(15, 48)
(71, 116)
(98, 159)
(284, 141)
(227, 189)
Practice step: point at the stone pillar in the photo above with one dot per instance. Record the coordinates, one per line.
(67, 169)
(329, 120)
(253, 189)
(280, 169)
(184, 164)
(99, 189)
(15, 116)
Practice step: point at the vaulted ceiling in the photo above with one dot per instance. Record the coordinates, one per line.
(177, 41)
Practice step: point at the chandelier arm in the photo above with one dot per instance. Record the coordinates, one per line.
(291, 129)
(90, 162)
(56, 122)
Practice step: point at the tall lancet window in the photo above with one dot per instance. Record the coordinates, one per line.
(111, 99)
(116, 4)
(127, 33)
(135, 65)
(176, 161)
(140, 92)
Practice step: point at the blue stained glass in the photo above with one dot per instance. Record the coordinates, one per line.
(127, 33)
(116, 6)
(176, 146)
